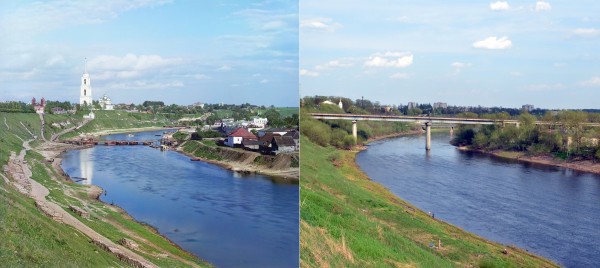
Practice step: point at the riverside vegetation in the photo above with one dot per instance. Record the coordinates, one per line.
(347, 220)
(563, 137)
(29, 238)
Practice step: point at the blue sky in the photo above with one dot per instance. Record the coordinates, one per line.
(176, 51)
(489, 53)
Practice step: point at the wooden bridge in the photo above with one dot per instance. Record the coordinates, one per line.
(93, 142)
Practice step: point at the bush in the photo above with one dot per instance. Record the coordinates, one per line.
(317, 131)
(198, 135)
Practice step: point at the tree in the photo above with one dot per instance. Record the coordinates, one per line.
(274, 118)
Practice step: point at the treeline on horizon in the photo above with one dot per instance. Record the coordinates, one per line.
(338, 133)
(365, 106)
(238, 112)
(563, 136)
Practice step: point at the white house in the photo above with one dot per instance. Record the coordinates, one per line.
(237, 136)
(259, 121)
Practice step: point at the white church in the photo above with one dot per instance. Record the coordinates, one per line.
(85, 95)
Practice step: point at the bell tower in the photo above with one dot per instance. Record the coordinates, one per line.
(85, 95)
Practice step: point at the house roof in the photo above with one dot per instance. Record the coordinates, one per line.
(251, 142)
(294, 134)
(242, 132)
(268, 137)
(275, 130)
(284, 141)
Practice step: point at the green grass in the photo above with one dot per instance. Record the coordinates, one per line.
(30, 239)
(287, 111)
(197, 149)
(349, 221)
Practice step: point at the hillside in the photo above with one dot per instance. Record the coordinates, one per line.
(115, 120)
(29, 238)
(349, 221)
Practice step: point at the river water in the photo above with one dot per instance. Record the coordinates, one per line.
(553, 212)
(225, 218)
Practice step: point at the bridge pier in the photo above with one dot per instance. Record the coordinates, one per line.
(428, 130)
(354, 131)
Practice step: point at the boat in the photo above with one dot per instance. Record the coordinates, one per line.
(195, 159)
(130, 135)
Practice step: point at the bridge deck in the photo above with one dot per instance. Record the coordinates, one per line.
(427, 119)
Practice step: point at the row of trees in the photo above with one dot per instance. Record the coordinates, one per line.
(563, 136)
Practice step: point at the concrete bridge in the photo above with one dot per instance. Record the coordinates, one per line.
(424, 120)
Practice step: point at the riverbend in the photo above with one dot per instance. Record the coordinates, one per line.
(546, 210)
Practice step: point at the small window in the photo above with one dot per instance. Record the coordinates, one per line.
(84, 81)
(85, 92)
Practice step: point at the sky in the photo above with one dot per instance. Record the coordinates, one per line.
(176, 51)
(468, 53)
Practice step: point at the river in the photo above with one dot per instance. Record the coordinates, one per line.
(553, 212)
(225, 218)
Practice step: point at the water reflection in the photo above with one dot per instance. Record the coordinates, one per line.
(87, 166)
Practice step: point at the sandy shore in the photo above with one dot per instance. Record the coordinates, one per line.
(581, 165)
(291, 175)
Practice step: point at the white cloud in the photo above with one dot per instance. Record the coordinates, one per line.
(499, 5)
(145, 85)
(586, 32)
(322, 24)
(334, 64)
(593, 82)
(400, 76)
(274, 25)
(201, 76)
(47, 15)
(264, 81)
(515, 73)
(458, 64)
(55, 60)
(541, 5)
(545, 87)
(390, 59)
(224, 68)
(304, 72)
(493, 42)
(105, 67)
(130, 62)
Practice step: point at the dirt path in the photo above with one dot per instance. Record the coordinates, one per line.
(56, 135)
(22, 174)
(6, 124)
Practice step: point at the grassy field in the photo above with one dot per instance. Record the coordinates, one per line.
(287, 111)
(349, 221)
(28, 238)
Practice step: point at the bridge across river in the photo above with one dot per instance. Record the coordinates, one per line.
(428, 121)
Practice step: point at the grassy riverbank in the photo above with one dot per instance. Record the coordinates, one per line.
(349, 221)
(284, 166)
(28, 238)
